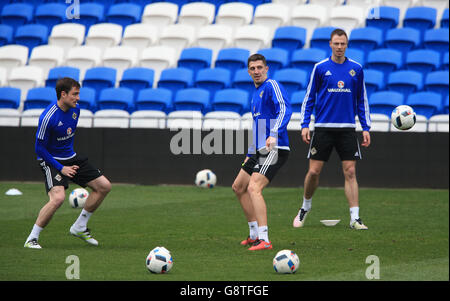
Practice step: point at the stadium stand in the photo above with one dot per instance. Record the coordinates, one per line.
(213, 80)
(136, 79)
(67, 35)
(176, 79)
(116, 99)
(425, 103)
(158, 99)
(195, 58)
(422, 60)
(90, 13)
(276, 58)
(192, 99)
(292, 79)
(289, 38)
(39, 98)
(59, 72)
(17, 14)
(405, 82)
(383, 102)
(305, 59)
(231, 100)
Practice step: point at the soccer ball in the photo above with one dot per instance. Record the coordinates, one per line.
(286, 262)
(78, 197)
(403, 117)
(159, 260)
(205, 178)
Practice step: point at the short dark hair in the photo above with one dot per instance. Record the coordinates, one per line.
(338, 32)
(65, 84)
(256, 57)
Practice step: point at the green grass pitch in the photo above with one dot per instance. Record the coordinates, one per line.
(408, 232)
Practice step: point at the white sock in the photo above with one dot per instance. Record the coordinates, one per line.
(35, 232)
(81, 223)
(253, 227)
(307, 204)
(263, 233)
(354, 213)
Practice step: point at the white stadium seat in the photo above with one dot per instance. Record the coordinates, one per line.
(140, 36)
(309, 16)
(12, 56)
(438, 123)
(9, 117)
(184, 120)
(148, 119)
(327, 3)
(46, 57)
(25, 78)
(111, 118)
(247, 121)
(83, 58)
(253, 37)
(197, 14)
(86, 119)
(120, 58)
(31, 117)
(235, 14)
(290, 3)
(177, 36)
(271, 15)
(160, 14)
(294, 123)
(67, 35)
(380, 123)
(215, 37)
(158, 58)
(103, 35)
(222, 120)
(3, 76)
(347, 17)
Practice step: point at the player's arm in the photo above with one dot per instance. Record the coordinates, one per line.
(308, 105)
(363, 109)
(283, 114)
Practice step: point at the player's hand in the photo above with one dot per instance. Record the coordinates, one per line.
(366, 139)
(306, 136)
(70, 171)
(271, 142)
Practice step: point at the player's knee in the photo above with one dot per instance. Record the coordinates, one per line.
(105, 187)
(350, 172)
(315, 173)
(238, 188)
(254, 188)
(57, 199)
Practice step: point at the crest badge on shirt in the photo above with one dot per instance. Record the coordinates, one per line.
(352, 72)
(69, 131)
(74, 115)
(341, 84)
(261, 94)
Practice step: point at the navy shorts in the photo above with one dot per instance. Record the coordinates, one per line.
(266, 163)
(345, 142)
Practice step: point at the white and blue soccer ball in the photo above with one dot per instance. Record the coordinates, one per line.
(286, 262)
(78, 197)
(205, 178)
(159, 260)
(403, 117)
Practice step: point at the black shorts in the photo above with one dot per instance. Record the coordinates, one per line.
(85, 173)
(265, 163)
(345, 142)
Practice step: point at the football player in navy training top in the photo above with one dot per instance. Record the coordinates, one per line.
(271, 112)
(59, 163)
(337, 92)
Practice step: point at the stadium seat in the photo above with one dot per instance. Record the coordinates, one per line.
(3, 76)
(6, 34)
(437, 123)
(103, 35)
(13, 56)
(305, 59)
(402, 39)
(99, 78)
(176, 79)
(374, 80)
(116, 99)
(309, 17)
(383, 17)
(221, 120)
(437, 81)
(87, 99)
(252, 37)
(30, 117)
(347, 17)
(271, 15)
(292, 79)
(111, 118)
(46, 57)
(366, 38)
(402, 5)
(235, 14)
(329, 3)
(385, 60)
(444, 19)
(247, 121)
(148, 119)
(356, 55)
(289, 38)
(197, 14)
(422, 60)
(297, 101)
(9, 98)
(140, 36)
(39, 98)
(384, 102)
(233, 100)
(158, 58)
(425, 103)
(276, 58)
(437, 40)
(10, 117)
(195, 58)
(191, 99)
(290, 3)
(86, 118)
(405, 82)
(365, 5)
(17, 14)
(321, 38)
(215, 37)
(242, 80)
(124, 14)
(50, 14)
(213, 80)
(159, 99)
(25, 78)
(120, 58)
(137, 79)
(67, 36)
(83, 58)
(445, 108)
(379, 123)
(232, 59)
(31, 35)
(178, 36)
(90, 13)
(184, 120)
(160, 14)
(445, 62)
(421, 18)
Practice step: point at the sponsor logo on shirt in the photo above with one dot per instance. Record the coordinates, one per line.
(340, 88)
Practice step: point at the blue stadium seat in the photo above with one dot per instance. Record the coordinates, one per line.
(6, 34)
(235, 100)
(100, 78)
(9, 98)
(276, 58)
(385, 60)
(437, 81)
(420, 18)
(306, 58)
(50, 14)
(374, 80)
(192, 99)
(124, 14)
(289, 38)
(445, 109)
(437, 40)
(321, 38)
(31, 35)
(176, 79)
(405, 82)
(445, 62)
(17, 14)
(403, 39)
(425, 103)
(87, 99)
(292, 79)
(59, 72)
(366, 38)
(444, 19)
(195, 58)
(242, 80)
(159, 99)
(39, 98)
(383, 17)
(384, 102)
(137, 78)
(356, 55)
(422, 60)
(90, 14)
(297, 100)
(213, 79)
(117, 99)
(232, 59)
